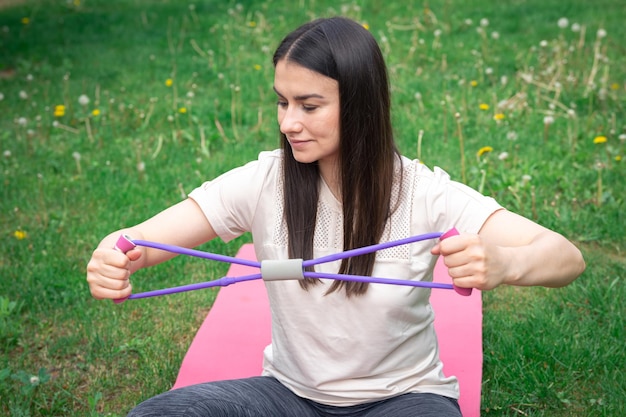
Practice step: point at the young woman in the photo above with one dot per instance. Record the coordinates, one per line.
(341, 348)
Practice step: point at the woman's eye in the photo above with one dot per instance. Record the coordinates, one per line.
(282, 104)
(308, 108)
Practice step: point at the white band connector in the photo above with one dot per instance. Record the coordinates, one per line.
(277, 270)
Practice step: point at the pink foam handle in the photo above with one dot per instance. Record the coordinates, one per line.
(462, 291)
(123, 244)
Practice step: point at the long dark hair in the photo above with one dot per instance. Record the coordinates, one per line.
(345, 51)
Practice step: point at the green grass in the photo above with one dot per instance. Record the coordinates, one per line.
(69, 180)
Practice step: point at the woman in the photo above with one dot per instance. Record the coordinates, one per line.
(341, 348)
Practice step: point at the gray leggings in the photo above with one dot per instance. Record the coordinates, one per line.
(266, 397)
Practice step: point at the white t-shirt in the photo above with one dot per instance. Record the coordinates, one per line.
(330, 348)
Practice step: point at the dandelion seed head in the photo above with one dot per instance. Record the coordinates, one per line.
(526, 179)
(23, 95)
(468, 22)
(563, 22)
(622, 137)
(56, 124)
(571, 113)
(141, 166)
(601, 33)
(1, 96)
(575, 27)
(83, 100)
(6, 153)
(22, 121)
(488, 70)
(484, 22)
(76, 156)
(495, 35)
(170, 118)
(437, 33)
(548, 120)
(511, 135)
(29, 77)
(504, 80)
(418, 96)
(543, 43)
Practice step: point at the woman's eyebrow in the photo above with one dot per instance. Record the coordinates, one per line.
(301, 97)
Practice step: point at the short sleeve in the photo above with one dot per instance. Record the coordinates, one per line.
(449, 203)
(230, 201)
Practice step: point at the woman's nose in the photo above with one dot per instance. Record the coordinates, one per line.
(290, 122)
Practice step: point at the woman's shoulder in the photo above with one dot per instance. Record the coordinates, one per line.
(417, 169)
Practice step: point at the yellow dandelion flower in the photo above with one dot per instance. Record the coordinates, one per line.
(484, 150)
(618, 158)
(95, 112)
(169, 82)
(59, 110)
(473, 83)
(25, 20)
(252, 24)
(20, 234)
(257, 67)
(615, 86)
(599, 139)
(366, 26)
(182, 110)
(498, 116)
(483, 106)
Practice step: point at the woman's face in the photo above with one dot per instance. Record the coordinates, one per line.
(308, 113)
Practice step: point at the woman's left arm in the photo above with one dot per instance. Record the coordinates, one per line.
(513, 250)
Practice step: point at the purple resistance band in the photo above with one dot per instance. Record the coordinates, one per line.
(125, 244)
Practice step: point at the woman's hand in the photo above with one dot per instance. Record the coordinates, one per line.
(109, 270)
(472, 262)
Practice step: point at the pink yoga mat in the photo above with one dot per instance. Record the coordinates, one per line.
(230, 341)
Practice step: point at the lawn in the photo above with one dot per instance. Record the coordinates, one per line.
(113, 110)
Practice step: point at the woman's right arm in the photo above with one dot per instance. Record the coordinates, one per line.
(109, 270)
